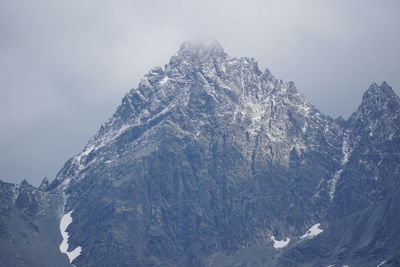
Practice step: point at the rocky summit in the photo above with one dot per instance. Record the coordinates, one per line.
(211, 161)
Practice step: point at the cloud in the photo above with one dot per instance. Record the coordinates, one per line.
(66, 64)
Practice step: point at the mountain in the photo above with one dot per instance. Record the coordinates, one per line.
(370, 167)
(29, 226)
(211, 162)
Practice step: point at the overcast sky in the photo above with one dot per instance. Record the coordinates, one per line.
(65, 65)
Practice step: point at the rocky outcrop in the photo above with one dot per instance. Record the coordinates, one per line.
(29, 231)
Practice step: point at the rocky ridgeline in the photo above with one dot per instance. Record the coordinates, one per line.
(211, 161)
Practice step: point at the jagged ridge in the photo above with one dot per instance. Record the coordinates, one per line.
(211, 156)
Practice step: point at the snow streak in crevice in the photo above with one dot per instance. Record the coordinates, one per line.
(66, 220)
(346, 151)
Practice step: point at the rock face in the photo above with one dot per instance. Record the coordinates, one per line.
(365, 238)
(29, 220)
(210, 158)
(371, 170)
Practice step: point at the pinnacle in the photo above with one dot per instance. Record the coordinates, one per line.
(201, 47)
(384, 91)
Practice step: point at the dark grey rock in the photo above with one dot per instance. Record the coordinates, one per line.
(29, 232)
(209, 157)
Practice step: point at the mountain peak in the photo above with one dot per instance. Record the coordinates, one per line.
(201, 47)
(377, 101)
(378, 93)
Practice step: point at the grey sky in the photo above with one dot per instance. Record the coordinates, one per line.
(65, 65)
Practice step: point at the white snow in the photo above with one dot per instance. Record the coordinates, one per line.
(280, 243)
(84, 154)
(380, 264)
(333, 182)
(65, 221)
(313, 231)
(346, 151)
(164, 80)
(304, 129)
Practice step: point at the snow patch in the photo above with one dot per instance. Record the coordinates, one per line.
(380, 264)
(164, 80)
(333, 182)
(280, 243)
(83, 155)
(65, 183)
(346, 151)
(313, 231)
(304, 129)
(66, 220)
